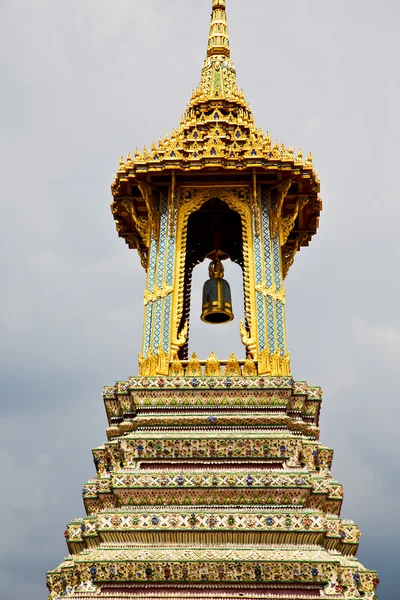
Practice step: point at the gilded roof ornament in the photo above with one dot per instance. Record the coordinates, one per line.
(217, 131)
(232, 367)
(213, 368)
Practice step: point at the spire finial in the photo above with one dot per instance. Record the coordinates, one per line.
(218, 40)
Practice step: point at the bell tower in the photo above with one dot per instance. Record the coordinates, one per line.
(216, 185)
(213, 483)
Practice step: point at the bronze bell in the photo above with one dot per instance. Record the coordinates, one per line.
(217, 299)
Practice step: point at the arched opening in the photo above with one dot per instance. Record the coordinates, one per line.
(213, 227)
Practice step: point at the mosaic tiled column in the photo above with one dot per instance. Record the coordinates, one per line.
(269, 283)
(159, 284)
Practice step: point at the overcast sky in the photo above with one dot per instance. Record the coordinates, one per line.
(85, 81)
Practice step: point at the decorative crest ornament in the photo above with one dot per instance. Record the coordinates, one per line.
(176, 368)
(232, 368)
(193, 368)
(213, 368)
(249, 368)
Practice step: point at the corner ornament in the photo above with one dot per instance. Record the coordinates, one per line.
(154, 364)
(274, 364)
(248, 341)
(181, 339)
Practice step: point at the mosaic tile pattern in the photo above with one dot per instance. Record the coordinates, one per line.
(167, 323)
(279, 307)
(267, 239)
(259, 297)
(151, 278)
(169, 280)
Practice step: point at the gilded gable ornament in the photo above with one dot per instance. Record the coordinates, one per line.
(249, 368)
(213, 368)
(176, 368)
(193, 368)
(232, 368)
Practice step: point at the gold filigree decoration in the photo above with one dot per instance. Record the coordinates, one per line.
(232, 368)
(176, 368)
(199, 194)
(147, 194)
(191, 200)
(249, 368)
(194, 367)
(247, 340)
(157, 294)
(264, 363)
(285, 365)
(276, 204)
(181, 339)
(255, 206)
(148, 365)
(140, 223)
(214, 147)
(172, 206)
(271, 291)
(154, 364)
(162, 362)
(275, 364)
(213, 368)
(287, 224)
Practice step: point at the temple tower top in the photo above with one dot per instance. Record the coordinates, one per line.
(218, 40)
(216, 187)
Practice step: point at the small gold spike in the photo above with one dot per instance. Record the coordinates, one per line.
(176, 367)
(148, 365)
(162, 362)
(142, 366)
(213, 368)
(285, 365)
(276, 362)
(309, 160)
(249, 368)
(194, 367)
(264, 363)
(299, 157)
(232, 368)
(152, 363)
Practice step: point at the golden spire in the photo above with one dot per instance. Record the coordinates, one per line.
(218, 40)
(218, 76)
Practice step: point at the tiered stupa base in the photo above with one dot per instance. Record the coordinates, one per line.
(212, 487)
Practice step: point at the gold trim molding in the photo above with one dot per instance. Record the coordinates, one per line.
(240, 200)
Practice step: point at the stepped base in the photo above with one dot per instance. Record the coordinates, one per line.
(212, 488)
(213, 572)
